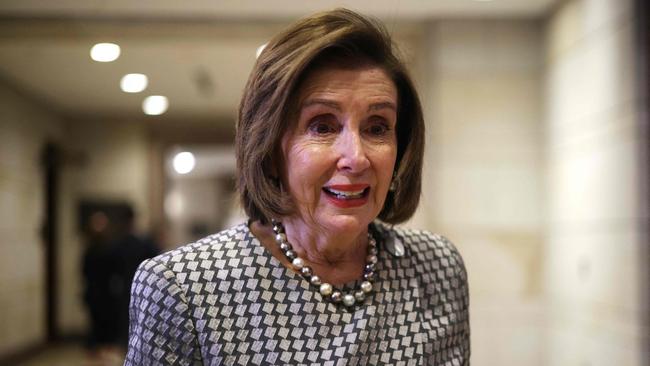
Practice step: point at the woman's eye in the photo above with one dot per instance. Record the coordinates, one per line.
(378, 129)
(322, 126)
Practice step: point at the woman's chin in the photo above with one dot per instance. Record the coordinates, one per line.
(345, 223)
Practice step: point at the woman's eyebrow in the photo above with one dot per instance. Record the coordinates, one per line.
(337, 106)
(382, 105)
(328, 103)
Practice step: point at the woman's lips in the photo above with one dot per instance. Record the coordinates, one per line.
(348, 187)
(347, 195)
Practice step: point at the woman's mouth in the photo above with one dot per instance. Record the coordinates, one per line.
(350, 195)
(345, 194)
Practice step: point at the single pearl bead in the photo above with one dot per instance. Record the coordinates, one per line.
(348, 300)
(371, 259)
(290, 254)
(336, 296)
(326, 289)
(359, 296)
(298, 263)
(306, 271)
(315, 280)
(280, 237)
(366, 286)
(285, 246)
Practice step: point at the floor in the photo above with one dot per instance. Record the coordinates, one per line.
(73, 354)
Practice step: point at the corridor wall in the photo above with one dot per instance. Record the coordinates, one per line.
(25, 126)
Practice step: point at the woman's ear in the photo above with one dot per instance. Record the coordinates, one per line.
(273, 170)
(275, 165)
(270, 167)
(272, 173)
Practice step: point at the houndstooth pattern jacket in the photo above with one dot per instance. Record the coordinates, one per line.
(225, 300)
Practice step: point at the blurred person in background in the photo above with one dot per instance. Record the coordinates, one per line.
(99, 295)
(330, 141)
(127, 252)
(113, 254)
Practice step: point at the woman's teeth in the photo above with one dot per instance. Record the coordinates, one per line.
(345, 194)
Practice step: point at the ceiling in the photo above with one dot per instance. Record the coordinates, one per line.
(198, 53)
(276, 9)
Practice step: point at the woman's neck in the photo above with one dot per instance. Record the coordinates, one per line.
(336, 259)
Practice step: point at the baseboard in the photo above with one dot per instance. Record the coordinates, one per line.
(25, 353)
(22, 354)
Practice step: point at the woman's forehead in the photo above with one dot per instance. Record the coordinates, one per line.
(332, 82)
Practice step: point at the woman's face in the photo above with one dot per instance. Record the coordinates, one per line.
(341, 152)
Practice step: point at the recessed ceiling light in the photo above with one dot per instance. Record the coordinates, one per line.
(155, 105)
(105, 52)
(259, 50)
(134, 83)
(184, 162)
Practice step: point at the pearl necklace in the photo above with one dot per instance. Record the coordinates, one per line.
(326, 289)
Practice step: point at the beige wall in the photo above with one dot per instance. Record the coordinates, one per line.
(25, 126)
(482, 89)
(192, 201)
(593, 266)
(532, 169)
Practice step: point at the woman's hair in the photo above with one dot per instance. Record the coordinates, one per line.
(268, 108)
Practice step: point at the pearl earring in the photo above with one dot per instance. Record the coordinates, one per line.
(394, 183)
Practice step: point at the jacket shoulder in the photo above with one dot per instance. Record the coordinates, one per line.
(423, 244)
(228, 239)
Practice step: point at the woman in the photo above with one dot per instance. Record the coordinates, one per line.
(329, 142)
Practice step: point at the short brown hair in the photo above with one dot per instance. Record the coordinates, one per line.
(266, 109)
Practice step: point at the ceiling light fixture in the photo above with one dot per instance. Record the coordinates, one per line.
(105, 52)
(134, 83)
(155, 105)
(184, 162)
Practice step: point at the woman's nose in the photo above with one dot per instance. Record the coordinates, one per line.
(352, 152)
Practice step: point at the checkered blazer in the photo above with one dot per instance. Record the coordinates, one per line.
(225, 300)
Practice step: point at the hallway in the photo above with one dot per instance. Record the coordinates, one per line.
(536, 163)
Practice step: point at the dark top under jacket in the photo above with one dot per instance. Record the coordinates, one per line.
(225, 300)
